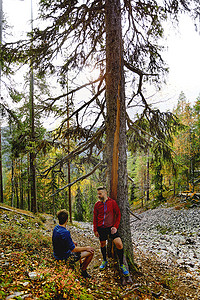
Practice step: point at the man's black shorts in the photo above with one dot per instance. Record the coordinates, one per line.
(105, 232)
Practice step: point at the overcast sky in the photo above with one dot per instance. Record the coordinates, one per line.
(182, 55)
(183, 58)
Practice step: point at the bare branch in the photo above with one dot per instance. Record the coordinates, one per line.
(79, 109)
(78, 179)
(131, 179)
(81, 148)
(54, 99)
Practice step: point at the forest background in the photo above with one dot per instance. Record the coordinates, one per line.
(153, 176)
(150, 183)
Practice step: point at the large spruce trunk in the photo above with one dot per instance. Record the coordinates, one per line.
(116, 120)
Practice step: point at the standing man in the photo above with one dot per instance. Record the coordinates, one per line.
(65, 249)
(105, 223)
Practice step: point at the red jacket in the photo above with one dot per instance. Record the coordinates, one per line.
(106, 214)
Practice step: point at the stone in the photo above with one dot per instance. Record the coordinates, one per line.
(33, 275)
(180, 244)
(16, 294)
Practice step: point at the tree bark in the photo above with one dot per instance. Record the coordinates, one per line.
(33, 182)
(21, 185)
(1, 171)
(16, 190)
(32, 153)
(12, 183)
(28, 184)
(68, 163)
(148, 181)
(116, 121)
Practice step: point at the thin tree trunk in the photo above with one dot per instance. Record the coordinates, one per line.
(12, 184)
(21, 188)
(28, 185)
(16, 191)
(68, 163)
(52, 188)
(116, 120)
(33, 182)
(174, 189)
(12, 169)
(1, 172)
(148, 181)
(32, 153)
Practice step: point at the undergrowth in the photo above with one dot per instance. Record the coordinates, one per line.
(27, 250)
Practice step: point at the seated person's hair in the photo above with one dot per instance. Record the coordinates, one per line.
(101, 188)
(62, 216)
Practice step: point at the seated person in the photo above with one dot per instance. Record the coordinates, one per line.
(65, 249)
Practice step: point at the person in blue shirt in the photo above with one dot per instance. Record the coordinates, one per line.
(65, 249)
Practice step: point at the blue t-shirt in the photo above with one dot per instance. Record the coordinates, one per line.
(62, 242)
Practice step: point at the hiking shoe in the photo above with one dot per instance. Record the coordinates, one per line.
(124, 270)
(85, 274)
(103, 265)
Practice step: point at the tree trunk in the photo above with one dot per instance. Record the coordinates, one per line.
(148, 181)
(116, 121)
(52, 189)
(1, 172)
(12, 183)
(28, 185)
(174, 189)
(32, 153)
(33, 182)
(21, 185)
(16, 191)
(68, 163)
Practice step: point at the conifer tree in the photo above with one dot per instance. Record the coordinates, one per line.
(115, 36)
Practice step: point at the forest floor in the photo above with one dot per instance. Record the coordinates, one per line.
(28, 270)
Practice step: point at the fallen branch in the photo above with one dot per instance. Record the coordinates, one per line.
(17, 212)
(134, 215)
(131, 290)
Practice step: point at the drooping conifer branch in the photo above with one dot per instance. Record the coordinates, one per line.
(78, 110)
(135, 127)
(71, 92)
(81, 148)
(78, 179)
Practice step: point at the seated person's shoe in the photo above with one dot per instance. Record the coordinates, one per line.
(124, 270)
(85, 274)
(103, 265)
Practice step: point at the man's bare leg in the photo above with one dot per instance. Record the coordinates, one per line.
(88, 257)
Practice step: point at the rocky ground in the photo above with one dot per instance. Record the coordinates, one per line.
(172, 235)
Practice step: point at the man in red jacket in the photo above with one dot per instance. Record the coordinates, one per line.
(106, 221)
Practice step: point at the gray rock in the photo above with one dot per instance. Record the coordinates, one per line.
(173, 235)
(16, 294)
